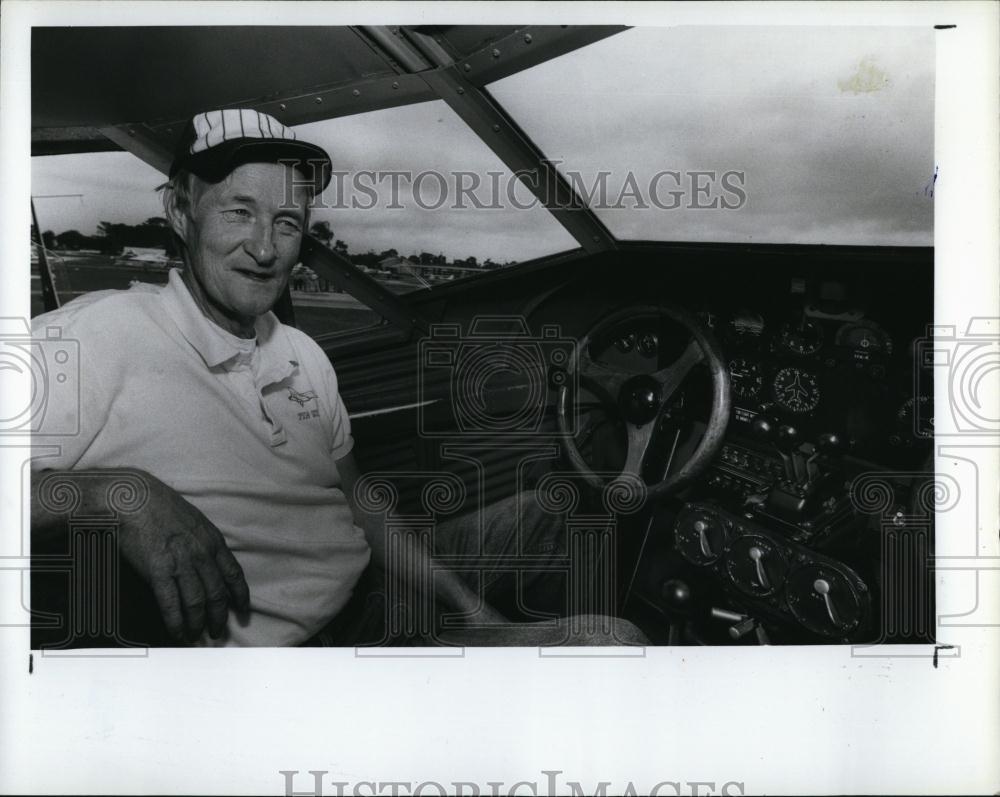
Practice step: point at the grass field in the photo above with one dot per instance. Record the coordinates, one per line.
(321, 320)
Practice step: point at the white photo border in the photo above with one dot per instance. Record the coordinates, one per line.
(807, 720)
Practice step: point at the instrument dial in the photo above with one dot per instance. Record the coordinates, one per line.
(625, 342)
(648, 342)
(746, 379)
(866, 338)
(796, 390)
(747, 322)
(756, 565)
(701, 535)
(803, 338)
(825, 599)
(916, 416)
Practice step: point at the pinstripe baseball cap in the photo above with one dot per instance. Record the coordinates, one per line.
(216, 142)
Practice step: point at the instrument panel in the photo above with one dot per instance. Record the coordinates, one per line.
(775, 577)
(769, 546)
(841, 373)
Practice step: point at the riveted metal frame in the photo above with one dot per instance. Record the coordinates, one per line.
(525, 47)
(491, 123)
(425, 69)
(143, 142)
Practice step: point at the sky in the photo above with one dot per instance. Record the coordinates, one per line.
(830, 131)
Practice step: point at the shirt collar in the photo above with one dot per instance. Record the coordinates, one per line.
(277, 357)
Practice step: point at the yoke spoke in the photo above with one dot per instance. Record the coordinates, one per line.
(608, 379)
(671, 376)
(639, 438)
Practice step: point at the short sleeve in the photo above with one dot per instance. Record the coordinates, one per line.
(341, 441)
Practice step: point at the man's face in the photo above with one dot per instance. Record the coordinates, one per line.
(243, 238)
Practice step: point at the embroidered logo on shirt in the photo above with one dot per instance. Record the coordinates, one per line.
(301, 398)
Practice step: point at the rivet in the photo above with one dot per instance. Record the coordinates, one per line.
(282, 106)
(170, 130)
(496, 53)
(467, 68)
(496, 128)
(461, 90)
(527, 38)
(319, 100)
(356, 93)
(131, 131)
(395, 85)
(597, 239)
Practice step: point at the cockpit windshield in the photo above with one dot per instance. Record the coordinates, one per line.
(417, 196)
(743, 134)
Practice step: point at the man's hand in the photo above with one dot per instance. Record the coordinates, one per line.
(178, 551)
(184, 558)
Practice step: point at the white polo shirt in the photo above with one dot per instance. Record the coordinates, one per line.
(246, 431)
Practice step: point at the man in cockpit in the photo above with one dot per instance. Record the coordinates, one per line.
(229, 426)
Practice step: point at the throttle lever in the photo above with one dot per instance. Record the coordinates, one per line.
(785, 443)
(826, 443)
(701, 527)
(742, 628)
(742, 625)
(822, 587)
(758, 555)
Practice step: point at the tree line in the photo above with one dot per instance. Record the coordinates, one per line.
(154, 233)
(111, 238)
(322, 231)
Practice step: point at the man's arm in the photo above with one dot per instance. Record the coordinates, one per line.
(171, 544)
(449, 586)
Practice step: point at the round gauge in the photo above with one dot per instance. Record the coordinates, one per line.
(865, 338)
(625, 342)
(805, 337)
(756, 565)
(826, 599)
(701, 535)
(648, 343)
(916, 416)
(746, 322)
(746, 379)
(796, 390)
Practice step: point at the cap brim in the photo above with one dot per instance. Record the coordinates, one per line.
(215, 163)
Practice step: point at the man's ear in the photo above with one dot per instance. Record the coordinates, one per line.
(176, 213)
